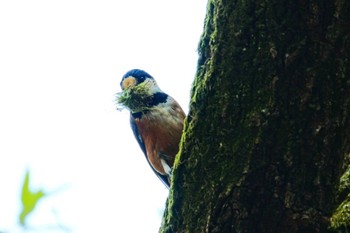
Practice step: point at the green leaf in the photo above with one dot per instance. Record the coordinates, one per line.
(29, 199)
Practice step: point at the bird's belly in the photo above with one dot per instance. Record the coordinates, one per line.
(161, 133)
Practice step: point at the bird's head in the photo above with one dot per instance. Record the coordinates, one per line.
(140, 91)
(139, 77)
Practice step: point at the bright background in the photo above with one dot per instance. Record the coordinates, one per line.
(60, 66)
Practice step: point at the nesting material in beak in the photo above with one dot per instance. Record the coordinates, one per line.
(134, 98)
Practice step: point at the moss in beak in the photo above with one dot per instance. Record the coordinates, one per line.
(135, 98)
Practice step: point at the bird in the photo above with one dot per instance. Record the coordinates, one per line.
(157, 123)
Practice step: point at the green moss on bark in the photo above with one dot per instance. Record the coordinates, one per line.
(340, 221)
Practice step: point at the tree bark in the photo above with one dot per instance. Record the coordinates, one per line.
(267, 137)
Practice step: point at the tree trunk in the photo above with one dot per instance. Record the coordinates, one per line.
(268, 133)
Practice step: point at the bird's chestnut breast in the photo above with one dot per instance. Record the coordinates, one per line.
(161, 129)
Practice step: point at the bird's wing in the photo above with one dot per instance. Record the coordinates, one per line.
(138, 137)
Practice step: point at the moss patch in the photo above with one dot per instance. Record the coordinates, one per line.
(135, 98)
(344, 185)
(340, 221)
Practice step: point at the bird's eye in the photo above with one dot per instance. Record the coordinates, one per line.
(128, 82)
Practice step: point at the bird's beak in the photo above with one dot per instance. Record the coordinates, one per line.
(128, 82)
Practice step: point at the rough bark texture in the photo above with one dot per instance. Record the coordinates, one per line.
(268, 134)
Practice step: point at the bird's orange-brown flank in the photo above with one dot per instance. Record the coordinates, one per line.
(161, 138)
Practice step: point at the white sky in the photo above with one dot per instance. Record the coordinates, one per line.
(60, 65)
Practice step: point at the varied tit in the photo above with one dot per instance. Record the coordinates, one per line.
(157, 122)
